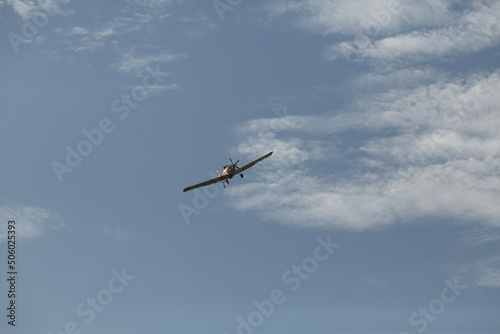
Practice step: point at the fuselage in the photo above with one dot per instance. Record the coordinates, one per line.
(228, 170)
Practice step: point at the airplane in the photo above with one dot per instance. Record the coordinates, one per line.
(228, 171)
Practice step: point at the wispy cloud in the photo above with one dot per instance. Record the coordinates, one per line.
(428, 151)
(479, 236)
(27, 9)
(484, 273)
(472, 32)
(154, 3)
(31, 222)
(82, 39)
(132, 64)
(154, 89)
(382, 79)
(115, 232)
(398, 30)
(197, 25)
(349, 18)
(374, 283)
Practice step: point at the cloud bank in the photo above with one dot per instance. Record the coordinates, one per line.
(417, 143)
(430, 151)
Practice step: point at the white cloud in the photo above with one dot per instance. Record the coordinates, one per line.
(31, 222)
(474, 31)
(23, 8)
(153, 3)
(395, 30)
(27, 9)
(131, 64)
(370, 17)
(154, 89)
(430, 151)
(83, 39)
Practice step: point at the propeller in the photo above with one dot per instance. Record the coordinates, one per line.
(234, 163)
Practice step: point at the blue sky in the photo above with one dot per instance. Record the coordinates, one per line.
(377, 213)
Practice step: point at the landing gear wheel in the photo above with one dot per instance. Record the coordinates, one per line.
(241, 175)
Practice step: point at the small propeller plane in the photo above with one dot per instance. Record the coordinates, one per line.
(228, 172)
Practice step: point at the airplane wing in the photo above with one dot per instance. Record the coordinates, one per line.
(253, 163)
(206, 183)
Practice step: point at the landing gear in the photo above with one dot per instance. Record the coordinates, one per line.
(241, 175)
